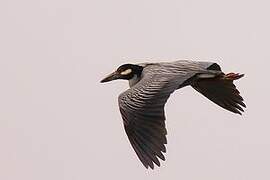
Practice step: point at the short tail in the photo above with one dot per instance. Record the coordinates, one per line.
(222, 91)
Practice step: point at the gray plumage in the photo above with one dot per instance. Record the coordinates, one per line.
(142, 105)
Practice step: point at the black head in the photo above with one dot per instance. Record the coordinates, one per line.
(125, 71)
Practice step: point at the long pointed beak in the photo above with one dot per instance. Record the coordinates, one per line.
(110, 77)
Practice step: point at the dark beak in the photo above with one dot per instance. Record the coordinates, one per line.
(110, 77)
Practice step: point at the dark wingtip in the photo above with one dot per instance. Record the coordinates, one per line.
(239, 113)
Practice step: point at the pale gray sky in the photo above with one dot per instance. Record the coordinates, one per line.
(57, 122)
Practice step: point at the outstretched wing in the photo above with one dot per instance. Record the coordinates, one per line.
(222, 91)
(142, 110)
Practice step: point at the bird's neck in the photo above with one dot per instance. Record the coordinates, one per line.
(134, 80)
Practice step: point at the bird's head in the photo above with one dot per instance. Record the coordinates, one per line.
(125, 71)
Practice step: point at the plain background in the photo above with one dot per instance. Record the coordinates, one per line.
(57, 122)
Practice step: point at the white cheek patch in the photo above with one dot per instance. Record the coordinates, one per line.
(126, 72)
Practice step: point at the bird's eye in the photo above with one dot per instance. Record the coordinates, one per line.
(126, 72)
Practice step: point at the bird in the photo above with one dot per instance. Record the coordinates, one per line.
(151, 84)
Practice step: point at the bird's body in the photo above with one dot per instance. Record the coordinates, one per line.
(142, 105)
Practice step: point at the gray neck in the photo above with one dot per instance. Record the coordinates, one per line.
(134, 80)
